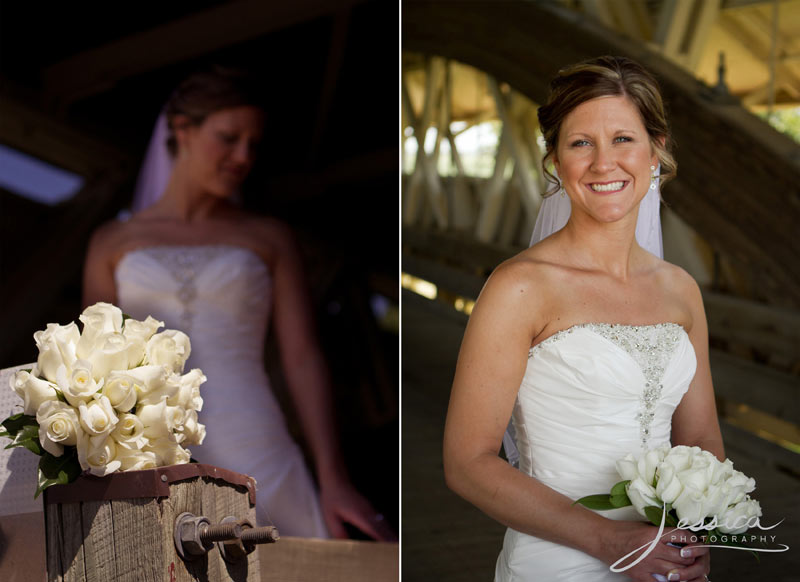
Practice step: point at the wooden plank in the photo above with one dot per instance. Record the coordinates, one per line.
(72, 556)
(737, 439)
(137, 541)
(52, 516)
(313, 560)
(98, 541)
(758, 386)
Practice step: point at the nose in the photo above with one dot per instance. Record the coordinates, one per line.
(604, 160)
(243, 153)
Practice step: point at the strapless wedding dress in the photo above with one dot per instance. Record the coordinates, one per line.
(220, 296)
(590, 395)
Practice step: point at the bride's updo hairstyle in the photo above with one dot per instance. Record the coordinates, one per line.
(210, 90)
(603, 77)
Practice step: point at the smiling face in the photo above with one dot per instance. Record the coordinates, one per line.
(604, 156)
(219, 153)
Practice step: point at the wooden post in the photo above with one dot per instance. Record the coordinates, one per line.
(120, 527)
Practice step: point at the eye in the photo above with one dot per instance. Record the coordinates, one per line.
(622, 139)
(228, 138)
(579, 143)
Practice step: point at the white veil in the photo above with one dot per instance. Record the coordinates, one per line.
(156, 168)
(553, 215)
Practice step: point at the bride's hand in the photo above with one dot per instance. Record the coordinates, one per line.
(664, 560)
(341, 504)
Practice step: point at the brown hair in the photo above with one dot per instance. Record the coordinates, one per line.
(209, 90)
(601, 77)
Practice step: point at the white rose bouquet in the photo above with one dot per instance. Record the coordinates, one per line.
(697, 491)
(112, 397)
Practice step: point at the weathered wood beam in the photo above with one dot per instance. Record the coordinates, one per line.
(339, 26)
(739, 179)
(196, 34)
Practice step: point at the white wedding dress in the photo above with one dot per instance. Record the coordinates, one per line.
(220, 296)
(590, 395)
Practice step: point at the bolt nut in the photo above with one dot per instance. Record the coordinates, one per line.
(188, 536)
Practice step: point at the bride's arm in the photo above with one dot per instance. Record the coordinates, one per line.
(695, 422)
(98, 275)
(490, 367)
(308, 379)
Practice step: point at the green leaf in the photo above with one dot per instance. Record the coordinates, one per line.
(14, 423)
(28, 437)
(601, 501)
(620, 500)
(620, 488)
(58, 470)
(653, 513)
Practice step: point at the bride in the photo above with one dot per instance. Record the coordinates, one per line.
(595, 348)
(198, 262)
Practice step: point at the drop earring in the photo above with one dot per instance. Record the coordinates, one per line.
(653, 178)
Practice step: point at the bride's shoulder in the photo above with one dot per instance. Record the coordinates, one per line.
(526, 273)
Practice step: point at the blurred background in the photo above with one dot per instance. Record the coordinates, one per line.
(81, 85)
(473, 76)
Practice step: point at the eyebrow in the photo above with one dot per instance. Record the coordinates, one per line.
(580, 133)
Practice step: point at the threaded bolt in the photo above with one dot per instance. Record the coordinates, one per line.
(260, 535)
(220, 532)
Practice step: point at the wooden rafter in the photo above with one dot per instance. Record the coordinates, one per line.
(228, 23)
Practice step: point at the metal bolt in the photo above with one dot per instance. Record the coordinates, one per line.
(220, 532)
(260, 535)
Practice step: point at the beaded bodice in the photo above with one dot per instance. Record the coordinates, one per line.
(595, 392)
(220, 295)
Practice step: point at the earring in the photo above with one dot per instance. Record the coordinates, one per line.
(653, 178)
(562, 191)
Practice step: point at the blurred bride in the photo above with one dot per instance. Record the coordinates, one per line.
(195, 260)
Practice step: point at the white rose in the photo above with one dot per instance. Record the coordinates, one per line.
(739, 517)
(33, 391)
(160, 420)
(648, 463)
(193, 431)
(78, 385)
(168, 451)
(162, 386)
(57, 345)
(691, 506)
(722, 471)
(59, 426)
(137, 333)
(668, 486)
(642, 495)
(129, 432)
(169, 348)
(98, 455)
(136, 460)
(98, 320)
(740, 484)
(110, 353)
(120, 388)
(188, 395)
(148, 379)
(680, 457)
(698, 475)
(97, 416)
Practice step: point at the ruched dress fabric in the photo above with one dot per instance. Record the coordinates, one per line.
(590, 395)
(221, 297)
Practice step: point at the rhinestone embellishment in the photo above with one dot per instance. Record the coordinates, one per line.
(184, 262)
(650, 346)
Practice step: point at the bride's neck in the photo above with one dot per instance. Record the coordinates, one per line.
(609, 247)
(185, 201)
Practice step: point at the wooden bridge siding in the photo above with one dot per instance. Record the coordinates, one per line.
(739, 178)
